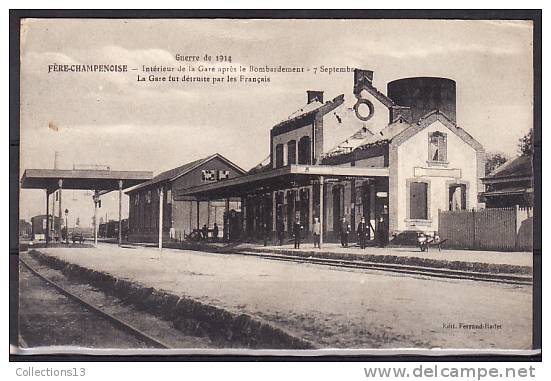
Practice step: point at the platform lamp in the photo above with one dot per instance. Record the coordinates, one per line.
(66, 226)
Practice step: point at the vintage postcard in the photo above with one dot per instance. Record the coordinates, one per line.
(304, 186)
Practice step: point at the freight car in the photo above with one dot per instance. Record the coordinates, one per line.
(110, 229)
(38, 224)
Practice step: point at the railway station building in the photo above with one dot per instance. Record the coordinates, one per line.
(395, 159)
(188, 214)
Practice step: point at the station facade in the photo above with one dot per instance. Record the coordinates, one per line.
(395, 159)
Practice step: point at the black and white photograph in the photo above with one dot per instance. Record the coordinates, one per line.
(276, 186)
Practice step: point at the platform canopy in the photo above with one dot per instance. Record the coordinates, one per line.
(85, 179)
(278, 178)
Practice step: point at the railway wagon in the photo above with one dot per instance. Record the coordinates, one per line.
(38, 224)
(110, 229)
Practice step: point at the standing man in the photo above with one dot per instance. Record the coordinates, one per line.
(205, 232)
(363, 233)
(345, 232)
(382, 232)
(297, 229)
(316, 232)
(280, 232)
(215, 232)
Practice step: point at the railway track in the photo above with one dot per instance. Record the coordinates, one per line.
(398, 268)
(118, 323)
(517, 279)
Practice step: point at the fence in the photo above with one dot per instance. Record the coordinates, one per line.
(487, 229)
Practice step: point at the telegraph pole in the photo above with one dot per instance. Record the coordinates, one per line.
(161, 197)
(60, 184)
(120, 212)
(96, 201)
(321, 210)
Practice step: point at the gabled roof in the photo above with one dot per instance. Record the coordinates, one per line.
(518, 167)
(174, 173)
(400, 130)
(430, 118)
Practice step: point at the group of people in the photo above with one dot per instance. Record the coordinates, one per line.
(204, 233)
(363, 231)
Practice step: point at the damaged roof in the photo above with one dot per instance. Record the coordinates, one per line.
(311, 109)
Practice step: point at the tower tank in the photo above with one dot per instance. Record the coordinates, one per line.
(423, 95)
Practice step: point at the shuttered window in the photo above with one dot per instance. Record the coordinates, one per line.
(279, 155)
(305, 150)
(292, 152)
(418, 197)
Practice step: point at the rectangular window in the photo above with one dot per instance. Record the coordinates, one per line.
(279, 155)
(304, 150)
(169, 196)
(418, 201)
(292, 152)
(438, 147)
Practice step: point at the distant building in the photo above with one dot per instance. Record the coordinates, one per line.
(25, 229)
(510, 184)
(180, 217)
(395, 159)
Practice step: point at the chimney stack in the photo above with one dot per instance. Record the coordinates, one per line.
(360, 75)
(314, 95)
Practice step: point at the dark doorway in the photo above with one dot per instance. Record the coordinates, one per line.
(337, 213)
(457, 197)
(280, 210)
(291, 201)
(366, 204)
(304, 207)
(418, 201)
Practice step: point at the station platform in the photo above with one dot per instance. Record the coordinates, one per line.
(324, 306)
(466, 260)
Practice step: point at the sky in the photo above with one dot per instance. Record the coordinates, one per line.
(112, 119)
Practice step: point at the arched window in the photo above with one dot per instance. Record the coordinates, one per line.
(305, 150)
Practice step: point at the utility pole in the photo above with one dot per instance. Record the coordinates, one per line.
(60, 184)
(161, 198)
(96, 201)
(120, 212)
(47, 236)
(321, 210)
